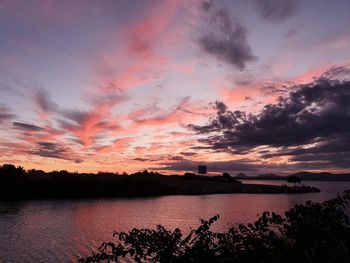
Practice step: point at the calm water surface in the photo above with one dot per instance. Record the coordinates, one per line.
(63, 230)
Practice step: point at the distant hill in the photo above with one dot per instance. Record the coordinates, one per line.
(270, 176)
(324, 176)
(304, 176)
(242, 176)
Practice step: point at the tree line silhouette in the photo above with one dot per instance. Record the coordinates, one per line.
(17, 183)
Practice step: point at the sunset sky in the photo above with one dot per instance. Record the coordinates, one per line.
(253, 86)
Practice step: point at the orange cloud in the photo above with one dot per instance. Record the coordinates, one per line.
(119, 145)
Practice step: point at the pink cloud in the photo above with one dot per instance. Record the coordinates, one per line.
(154, 116)
(310, 75)
(119, 145)
(142, 53)
(146, 35)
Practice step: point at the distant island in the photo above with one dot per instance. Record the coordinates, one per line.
(304, 176)
(17, 183)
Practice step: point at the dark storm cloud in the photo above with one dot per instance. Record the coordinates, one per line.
(330, 151)
(277, 10)
(315, 114)
(26, 127)
(340, 160)
(338, 145)
(273, 90)
(227, 39)
(338, 73)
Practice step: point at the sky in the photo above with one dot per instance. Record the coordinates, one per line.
(252, 86)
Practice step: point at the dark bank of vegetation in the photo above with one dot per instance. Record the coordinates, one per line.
(17, 183)
(310, 233)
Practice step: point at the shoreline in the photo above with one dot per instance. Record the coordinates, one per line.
(135, 186)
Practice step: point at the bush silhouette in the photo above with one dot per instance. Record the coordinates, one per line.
(189, 175)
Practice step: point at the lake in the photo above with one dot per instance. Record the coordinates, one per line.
(63, 230)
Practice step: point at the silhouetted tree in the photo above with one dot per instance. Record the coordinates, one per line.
(227, 176)
(11, 170)
(34, 172)
(294, 179)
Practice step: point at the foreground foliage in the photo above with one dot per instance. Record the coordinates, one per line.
(311, 232)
